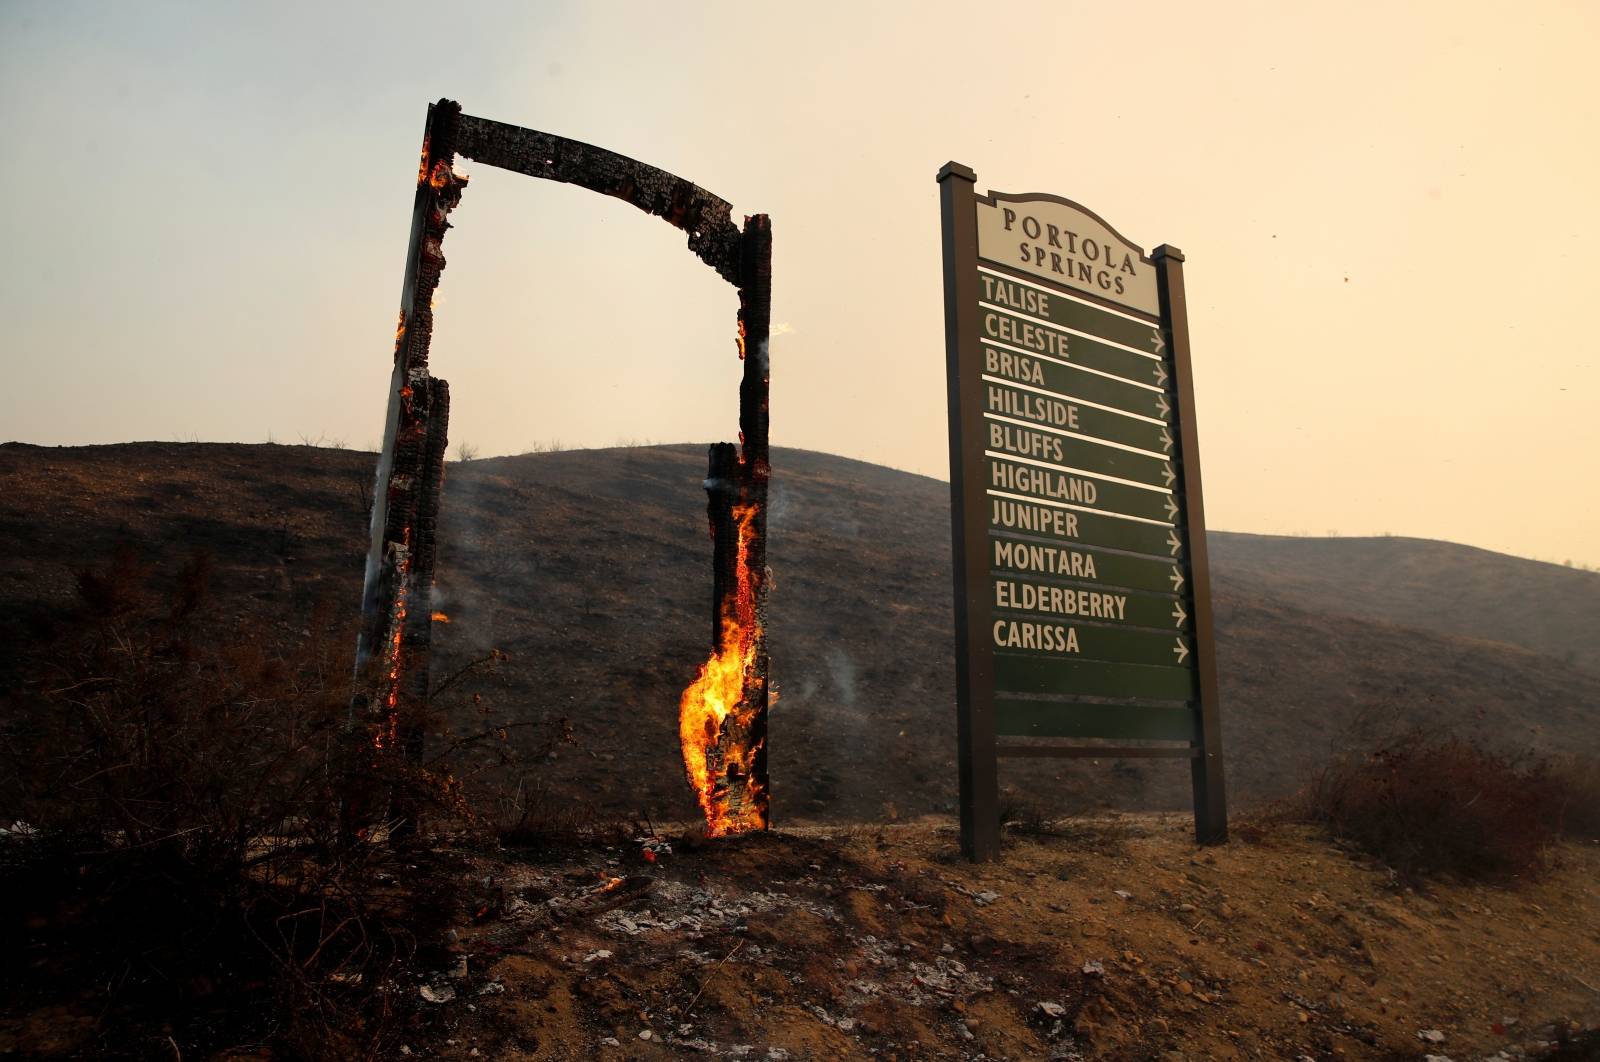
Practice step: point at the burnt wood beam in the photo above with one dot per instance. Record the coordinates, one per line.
(713, 236)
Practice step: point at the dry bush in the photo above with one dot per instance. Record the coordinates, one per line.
(1071, 820)
(1431, 806)
(1577, 782)
(179, 777)
(1033, 807)
(1023, 813)
(530, 817)
(148, 728)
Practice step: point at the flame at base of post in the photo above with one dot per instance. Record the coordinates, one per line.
(722, 715)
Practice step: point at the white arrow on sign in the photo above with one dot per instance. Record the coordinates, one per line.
(1166, 440)
(1158, 343)
(1181, 649)
(1171, 476)
(1161, 404)
(1173, 541)
(1178, 614)
(1177, 579)
(1172, 508)
(1161, 375)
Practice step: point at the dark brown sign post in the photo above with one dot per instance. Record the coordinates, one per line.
(1082, 591)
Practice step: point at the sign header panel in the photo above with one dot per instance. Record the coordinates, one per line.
(1063, 243)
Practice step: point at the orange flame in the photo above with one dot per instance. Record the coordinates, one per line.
(741, 337)
(441, 617)
(719, 694)
(388, 734)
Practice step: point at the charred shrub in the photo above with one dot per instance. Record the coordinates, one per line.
(529, 816)
(1430, 806)
(1025, 817)
(150, 726)
(177, 865)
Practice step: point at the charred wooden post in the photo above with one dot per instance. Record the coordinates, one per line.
(726, 792)
(393, 645)
(722, 494)
(723, 714)
(411, 707)
(755, 326)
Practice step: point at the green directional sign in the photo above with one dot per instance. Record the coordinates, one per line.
(1045, 559)
(1032, 337)
(1056, 520)
(1019, 673)
(1097, 455)
(1081, 579)
(1031, 635)
(1054, 719)
(1068, 413)
(1067, 311)
(1098, 604)
(1076, 381)
(1053, 483)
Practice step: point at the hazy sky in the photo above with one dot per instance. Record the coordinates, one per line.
(1389, 214)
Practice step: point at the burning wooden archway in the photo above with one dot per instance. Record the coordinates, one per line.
(723, 712)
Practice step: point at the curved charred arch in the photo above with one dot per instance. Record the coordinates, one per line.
(713, 236)
(393, 646)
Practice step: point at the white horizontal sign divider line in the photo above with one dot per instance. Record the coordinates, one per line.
(1078, 472)
(1042, 323)
(1074, 435)
(1037, 286)
(1083, 582)
(1176, 577)
(1072, 398)
(1082, 624)
(1078, 508)
(1013, 348)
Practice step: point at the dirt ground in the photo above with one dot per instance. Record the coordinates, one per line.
(1114, 938)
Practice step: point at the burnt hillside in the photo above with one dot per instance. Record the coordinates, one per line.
(590, 568)
(1439, 586)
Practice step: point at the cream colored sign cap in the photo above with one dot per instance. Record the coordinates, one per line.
(1065, 245)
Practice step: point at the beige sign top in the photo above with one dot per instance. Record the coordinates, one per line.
(1066, 245)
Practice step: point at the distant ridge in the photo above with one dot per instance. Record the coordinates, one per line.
(1416, 582)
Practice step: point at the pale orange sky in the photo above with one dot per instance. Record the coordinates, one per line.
(1387, 209)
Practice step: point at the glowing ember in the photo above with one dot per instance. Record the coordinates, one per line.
(441, 617)
(388, 732)
(719, 701)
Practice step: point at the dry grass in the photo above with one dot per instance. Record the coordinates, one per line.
(532, 818)
(1577, 781)
(1430, 806)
